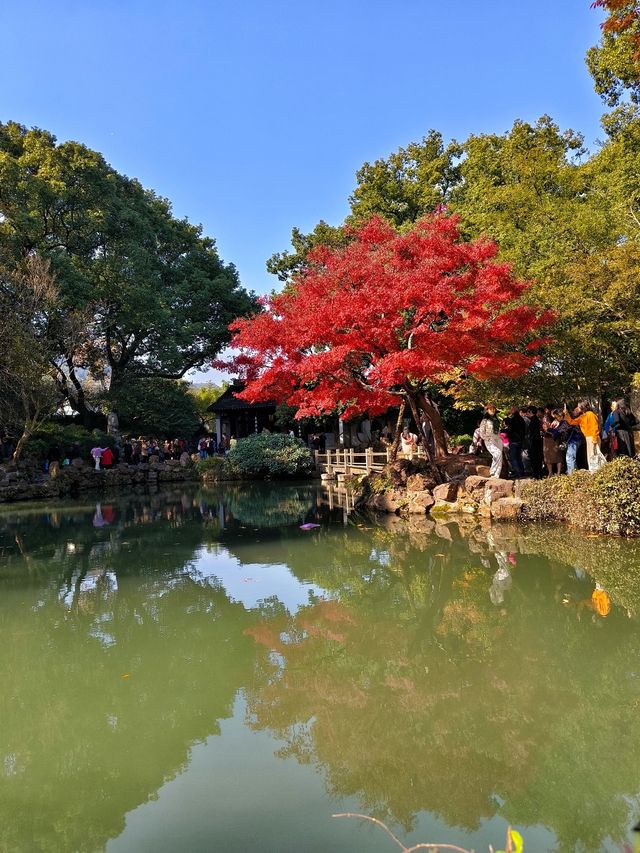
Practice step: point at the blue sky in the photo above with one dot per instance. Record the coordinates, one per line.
(253, 117)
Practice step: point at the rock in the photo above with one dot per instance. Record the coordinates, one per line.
(520, 485)
(496, 488)
(474, 486)
(443, 507)
(78, 462)
(443, 532)
(386, 503)
(483, 470)
(419, 502)
(446, 492)
(54, 469)
(415, 483)
(154, 459)
(185, 459)
(506, 508)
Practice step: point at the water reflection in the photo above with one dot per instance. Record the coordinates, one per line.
(468, 671)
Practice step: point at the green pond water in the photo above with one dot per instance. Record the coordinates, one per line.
(191, 671)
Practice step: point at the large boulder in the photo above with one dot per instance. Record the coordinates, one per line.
(474, 486)
(386, 503)
(506, 508)
(419, 502)
(446, 492)
(185, 460)
(495, 488)
(441, 507)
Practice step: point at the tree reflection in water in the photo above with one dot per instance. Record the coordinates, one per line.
(467, 671)
(454, 676)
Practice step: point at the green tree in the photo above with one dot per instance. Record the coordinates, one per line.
(410, 183)
(141, 293)
(204, 396)
(158, 407)
(28, 396)
(614, 63)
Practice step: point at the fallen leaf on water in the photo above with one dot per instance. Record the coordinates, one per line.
(126, 675)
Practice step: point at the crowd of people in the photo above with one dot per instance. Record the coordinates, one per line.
(537, 441)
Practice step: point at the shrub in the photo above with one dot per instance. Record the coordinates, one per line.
(53, 436)
(463, 440)
(607, 501)
(212, 468)
(270, 455)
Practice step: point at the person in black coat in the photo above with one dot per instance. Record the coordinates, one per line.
(536, 455)
(623, 423)
(516, 429)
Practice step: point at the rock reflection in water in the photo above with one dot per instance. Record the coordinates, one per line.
(451, 676)
(459, 669)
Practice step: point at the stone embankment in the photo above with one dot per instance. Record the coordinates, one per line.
(469, 490)
(25, 482)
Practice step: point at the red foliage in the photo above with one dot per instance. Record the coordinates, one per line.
(623, 16)
(374, 319)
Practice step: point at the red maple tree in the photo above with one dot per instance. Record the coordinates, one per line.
(373, 323)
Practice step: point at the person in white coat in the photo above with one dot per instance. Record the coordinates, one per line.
(489, 431)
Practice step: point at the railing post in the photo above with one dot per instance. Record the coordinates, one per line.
(368, 458)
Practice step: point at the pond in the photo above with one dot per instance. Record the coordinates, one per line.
(191, 671)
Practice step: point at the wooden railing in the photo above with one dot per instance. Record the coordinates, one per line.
(347, 460)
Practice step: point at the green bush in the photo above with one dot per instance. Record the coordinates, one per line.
(212, 468)
(270, 455)
(456, 440)
(53, 436)
(607, 501)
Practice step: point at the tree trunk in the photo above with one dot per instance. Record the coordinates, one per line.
(423, 439)
(393, 450)
(437, 426)
(29, 427)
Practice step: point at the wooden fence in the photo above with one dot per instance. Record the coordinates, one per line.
(347, 460)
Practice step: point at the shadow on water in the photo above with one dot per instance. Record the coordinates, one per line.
(465, 670)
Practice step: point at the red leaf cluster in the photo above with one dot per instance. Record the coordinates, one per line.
(623, 16)
(377, 317)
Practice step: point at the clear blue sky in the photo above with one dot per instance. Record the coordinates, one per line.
(253, 116)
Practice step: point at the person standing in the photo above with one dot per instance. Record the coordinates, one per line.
(516, 432)
(552, 452)
(584, 418)
(623, 423)
(489, 432)
(535, 440)
(107, 458)
(408, 443)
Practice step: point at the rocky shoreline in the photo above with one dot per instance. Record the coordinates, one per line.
(405, 489)
(26, 482)
(606, 501)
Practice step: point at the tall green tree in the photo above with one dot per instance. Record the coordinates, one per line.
(162, 408)
(27, 293)
(141, 293)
